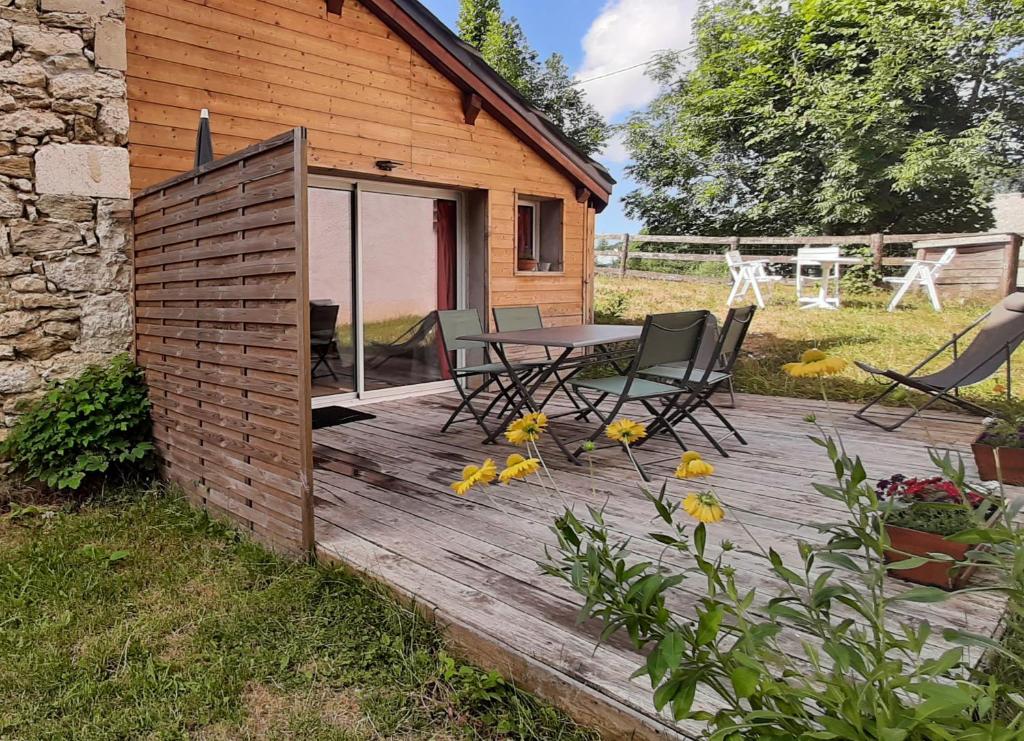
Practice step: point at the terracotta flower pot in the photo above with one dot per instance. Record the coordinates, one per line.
(1011, 462)
(934, 573)
(527, 264)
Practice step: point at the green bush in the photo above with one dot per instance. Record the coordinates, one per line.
(95, 424)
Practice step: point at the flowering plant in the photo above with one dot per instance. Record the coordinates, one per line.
(830, 656)
(932, 505)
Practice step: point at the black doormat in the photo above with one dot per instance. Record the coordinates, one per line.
(330, 416)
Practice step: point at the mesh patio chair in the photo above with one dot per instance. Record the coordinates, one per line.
(665, 339)
(514, 318)
(457, 323)
(1000, 332)
(748, 275)
(323, 321)
(712, 370)
(922, 273)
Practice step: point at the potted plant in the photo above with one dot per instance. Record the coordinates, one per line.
(527, 264)
(1002, 442)
(921, 515)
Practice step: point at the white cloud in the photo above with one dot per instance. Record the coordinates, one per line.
(628, 32)
(615, 152)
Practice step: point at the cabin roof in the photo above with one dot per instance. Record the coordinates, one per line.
(465, 66)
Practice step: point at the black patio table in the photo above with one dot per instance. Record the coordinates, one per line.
(566, 340)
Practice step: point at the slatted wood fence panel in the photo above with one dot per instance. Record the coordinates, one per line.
(221, 320)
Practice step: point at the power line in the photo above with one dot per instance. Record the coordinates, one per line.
(631, 67)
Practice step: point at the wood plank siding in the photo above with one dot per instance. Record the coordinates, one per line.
(364, 94)
(221, 332)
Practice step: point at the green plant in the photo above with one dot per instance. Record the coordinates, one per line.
(829, 656)
(863, 278)
(1005, 432)
(934, 505)
(97, 423)
(611, 306)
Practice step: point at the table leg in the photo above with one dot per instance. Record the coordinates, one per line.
(526, 399)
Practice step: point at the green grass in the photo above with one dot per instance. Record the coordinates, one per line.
(139, 617)
(861, 330)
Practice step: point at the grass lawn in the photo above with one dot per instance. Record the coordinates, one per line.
(139, 617)
(861, 330)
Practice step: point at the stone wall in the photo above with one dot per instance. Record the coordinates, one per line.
(64, 192)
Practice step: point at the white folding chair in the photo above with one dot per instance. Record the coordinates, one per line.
(924, 273)
(818, 257)
(748, 275)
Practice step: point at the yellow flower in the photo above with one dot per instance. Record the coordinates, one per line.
(692, 466)
(518, 467)
(815, 363)
(626, 431)
(703, 507)
(475, 475)
(527, 428)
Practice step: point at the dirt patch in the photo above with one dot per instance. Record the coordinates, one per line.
(270, 713)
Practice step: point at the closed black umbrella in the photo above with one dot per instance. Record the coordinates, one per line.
(204, 139)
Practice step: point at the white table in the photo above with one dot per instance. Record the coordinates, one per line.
(830, 267)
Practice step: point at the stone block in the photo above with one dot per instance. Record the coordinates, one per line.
(44, 42)
(38, 345)
(45, 301)
(6, 352)
(16, 167)
(85, 273)
(31, 122)
(64, 330)
(106, 324)
(86, 85)
(83, 170)
(13, 323)
(95, 8)
(44, 236)
(25, 72)
(6, 40)
(111, 44)
(10, 205)
(69, 208)
(28, 284)
(15, 266)
(17, 377)
(113, 121)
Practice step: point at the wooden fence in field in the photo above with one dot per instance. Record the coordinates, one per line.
(221, 323)
(984, 262)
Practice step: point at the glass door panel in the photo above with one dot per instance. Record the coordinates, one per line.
(332, 325)
(408, 257)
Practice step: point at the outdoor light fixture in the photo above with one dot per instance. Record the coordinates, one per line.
(388, 165)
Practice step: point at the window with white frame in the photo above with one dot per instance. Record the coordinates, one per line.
(539, 234)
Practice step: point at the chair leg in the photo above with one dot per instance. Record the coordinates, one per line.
(467, 403)
(733, 294)
(706, 402)
(757, 293)
(929, 285)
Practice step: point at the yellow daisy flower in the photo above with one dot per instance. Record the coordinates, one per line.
(518, 467)
(815, 363)
(692, 466)
(626, 431)
(475, 475)
(703, 507)
(527, 428)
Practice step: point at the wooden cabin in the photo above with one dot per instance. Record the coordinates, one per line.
(466, 195)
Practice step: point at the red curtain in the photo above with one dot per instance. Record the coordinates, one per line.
(446, 229)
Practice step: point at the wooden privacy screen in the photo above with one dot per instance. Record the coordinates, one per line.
(221, 321)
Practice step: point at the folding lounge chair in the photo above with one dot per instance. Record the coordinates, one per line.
(1001, 332)
(458, 323)
(702, 384)
(515, 318)
(665, 339)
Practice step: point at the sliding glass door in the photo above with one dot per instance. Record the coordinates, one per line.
(387, 259)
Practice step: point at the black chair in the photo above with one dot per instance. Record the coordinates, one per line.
(323, 329)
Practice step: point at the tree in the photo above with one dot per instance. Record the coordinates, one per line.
(834, 116)
(548, 85)
(474, 19)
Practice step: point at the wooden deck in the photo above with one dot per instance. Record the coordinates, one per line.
(384, 507)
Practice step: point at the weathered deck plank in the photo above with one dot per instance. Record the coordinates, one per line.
(384, 507)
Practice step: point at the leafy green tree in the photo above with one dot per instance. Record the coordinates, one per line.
(548, 85)
(474, 19)
(834, 116)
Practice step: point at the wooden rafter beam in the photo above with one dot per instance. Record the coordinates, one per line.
(335, 6)
(582, 194)
(472, 104)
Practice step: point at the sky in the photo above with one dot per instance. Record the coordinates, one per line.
(598, 37)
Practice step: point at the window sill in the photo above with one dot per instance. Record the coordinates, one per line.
(537, 273)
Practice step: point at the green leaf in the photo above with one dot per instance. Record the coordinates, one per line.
(709, 623)
(922, 594)
(744, 681)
